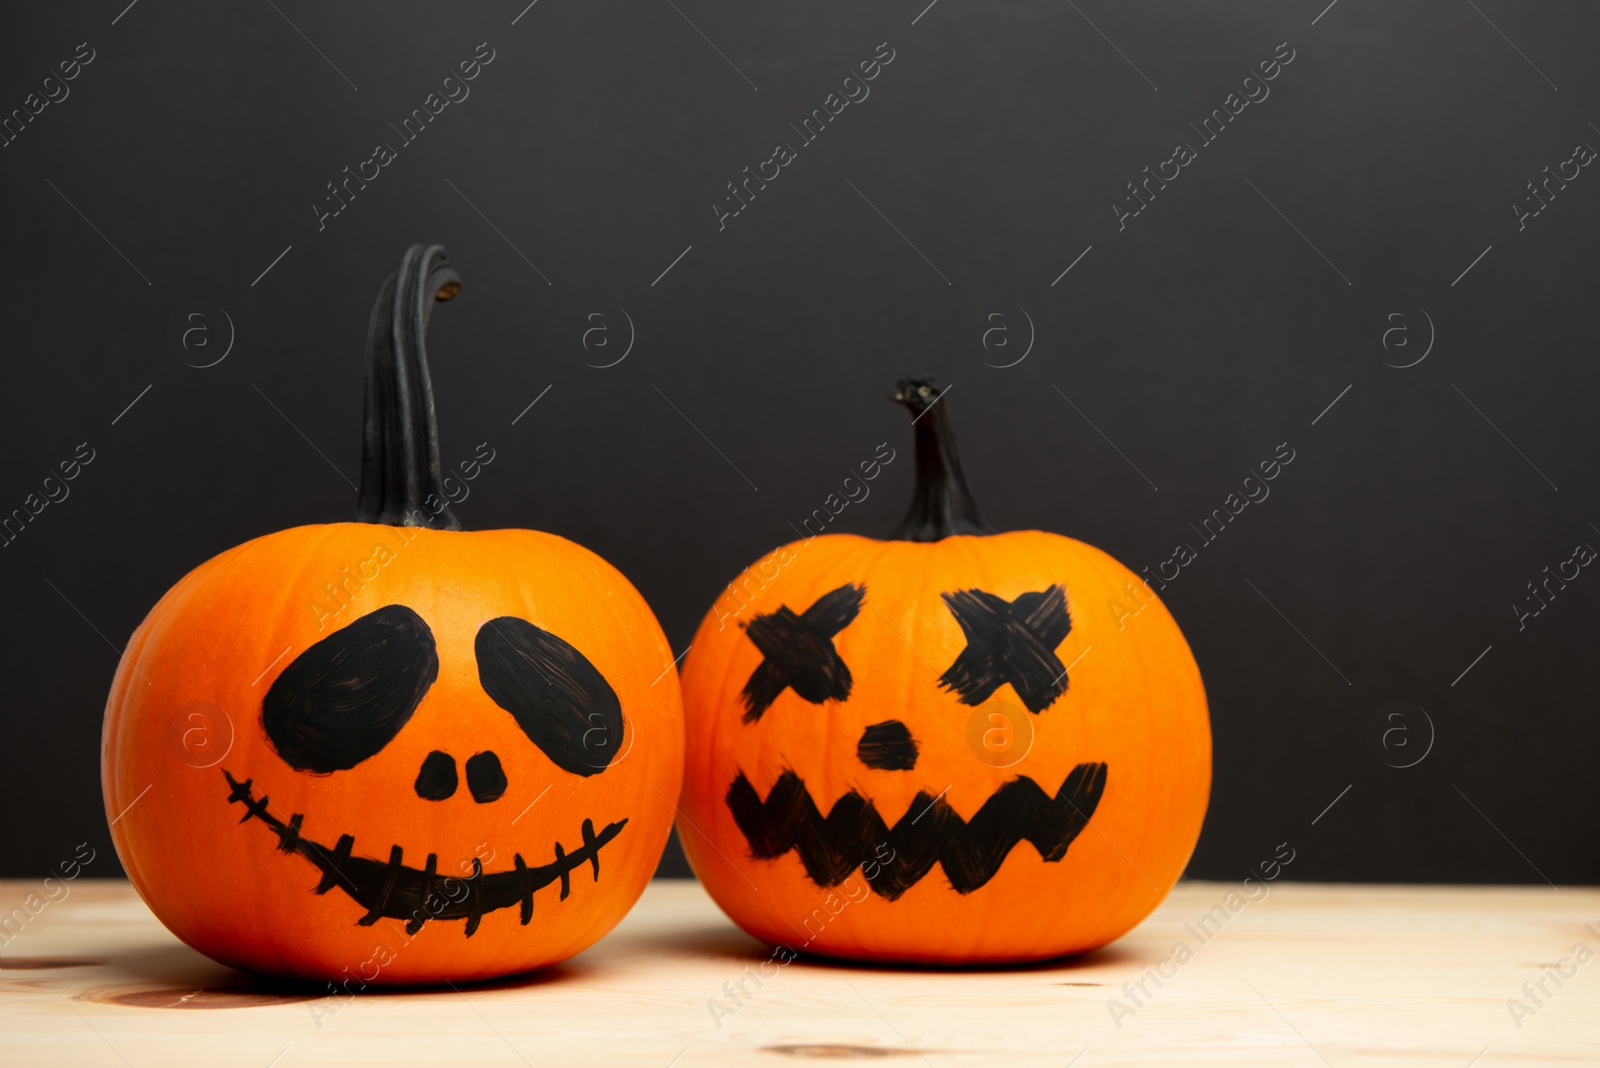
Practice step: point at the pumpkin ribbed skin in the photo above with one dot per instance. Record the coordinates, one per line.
(1134, 702)
(226, 631)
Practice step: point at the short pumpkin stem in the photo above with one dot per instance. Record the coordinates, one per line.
(941, 503)
(401, 484)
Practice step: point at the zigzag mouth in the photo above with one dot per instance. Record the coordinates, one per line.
(395, 890)
(931, 831)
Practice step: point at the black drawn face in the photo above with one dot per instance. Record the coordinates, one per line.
(347, 697)
(1007, 643)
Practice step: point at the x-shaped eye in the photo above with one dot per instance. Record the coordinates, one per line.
(799, 652)
(1009, 641)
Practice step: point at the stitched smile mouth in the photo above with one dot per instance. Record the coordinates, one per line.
(392, 889)
(931, 831)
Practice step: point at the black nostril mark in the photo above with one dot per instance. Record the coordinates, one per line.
(485, 777)
(437, 779)
(887, 746)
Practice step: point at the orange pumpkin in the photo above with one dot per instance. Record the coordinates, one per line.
(950, 746)
(390, 751)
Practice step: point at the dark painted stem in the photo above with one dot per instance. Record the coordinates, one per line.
(941, 503)
(401, 484)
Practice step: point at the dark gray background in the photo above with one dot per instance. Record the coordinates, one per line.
(1389, 555)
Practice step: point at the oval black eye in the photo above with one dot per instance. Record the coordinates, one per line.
(559, 699)
(343, 699)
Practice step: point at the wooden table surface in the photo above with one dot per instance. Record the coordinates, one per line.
(1309, 975)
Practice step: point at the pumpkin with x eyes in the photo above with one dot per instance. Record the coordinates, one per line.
(392, 751)
(951, 746)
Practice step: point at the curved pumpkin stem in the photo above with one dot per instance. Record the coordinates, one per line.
(941, 503)
(401, 484)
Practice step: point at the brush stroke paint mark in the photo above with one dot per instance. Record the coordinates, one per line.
(347, 696)
(887, 746)
(485, 777)
(969, 851)
(390, 888)
(1009, 641)
(799, 653)
(437, 778)
(559, 699)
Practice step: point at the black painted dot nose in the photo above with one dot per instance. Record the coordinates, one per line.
(485, 777)
(887, 746)
(437, 779)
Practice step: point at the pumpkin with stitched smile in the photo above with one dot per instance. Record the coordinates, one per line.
(390, 751)
(951, 746)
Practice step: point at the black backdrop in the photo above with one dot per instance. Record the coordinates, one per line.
(1357, 216)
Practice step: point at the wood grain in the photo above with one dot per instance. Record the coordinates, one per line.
(1308, 975)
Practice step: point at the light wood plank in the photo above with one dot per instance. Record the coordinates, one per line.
(1310, 975)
